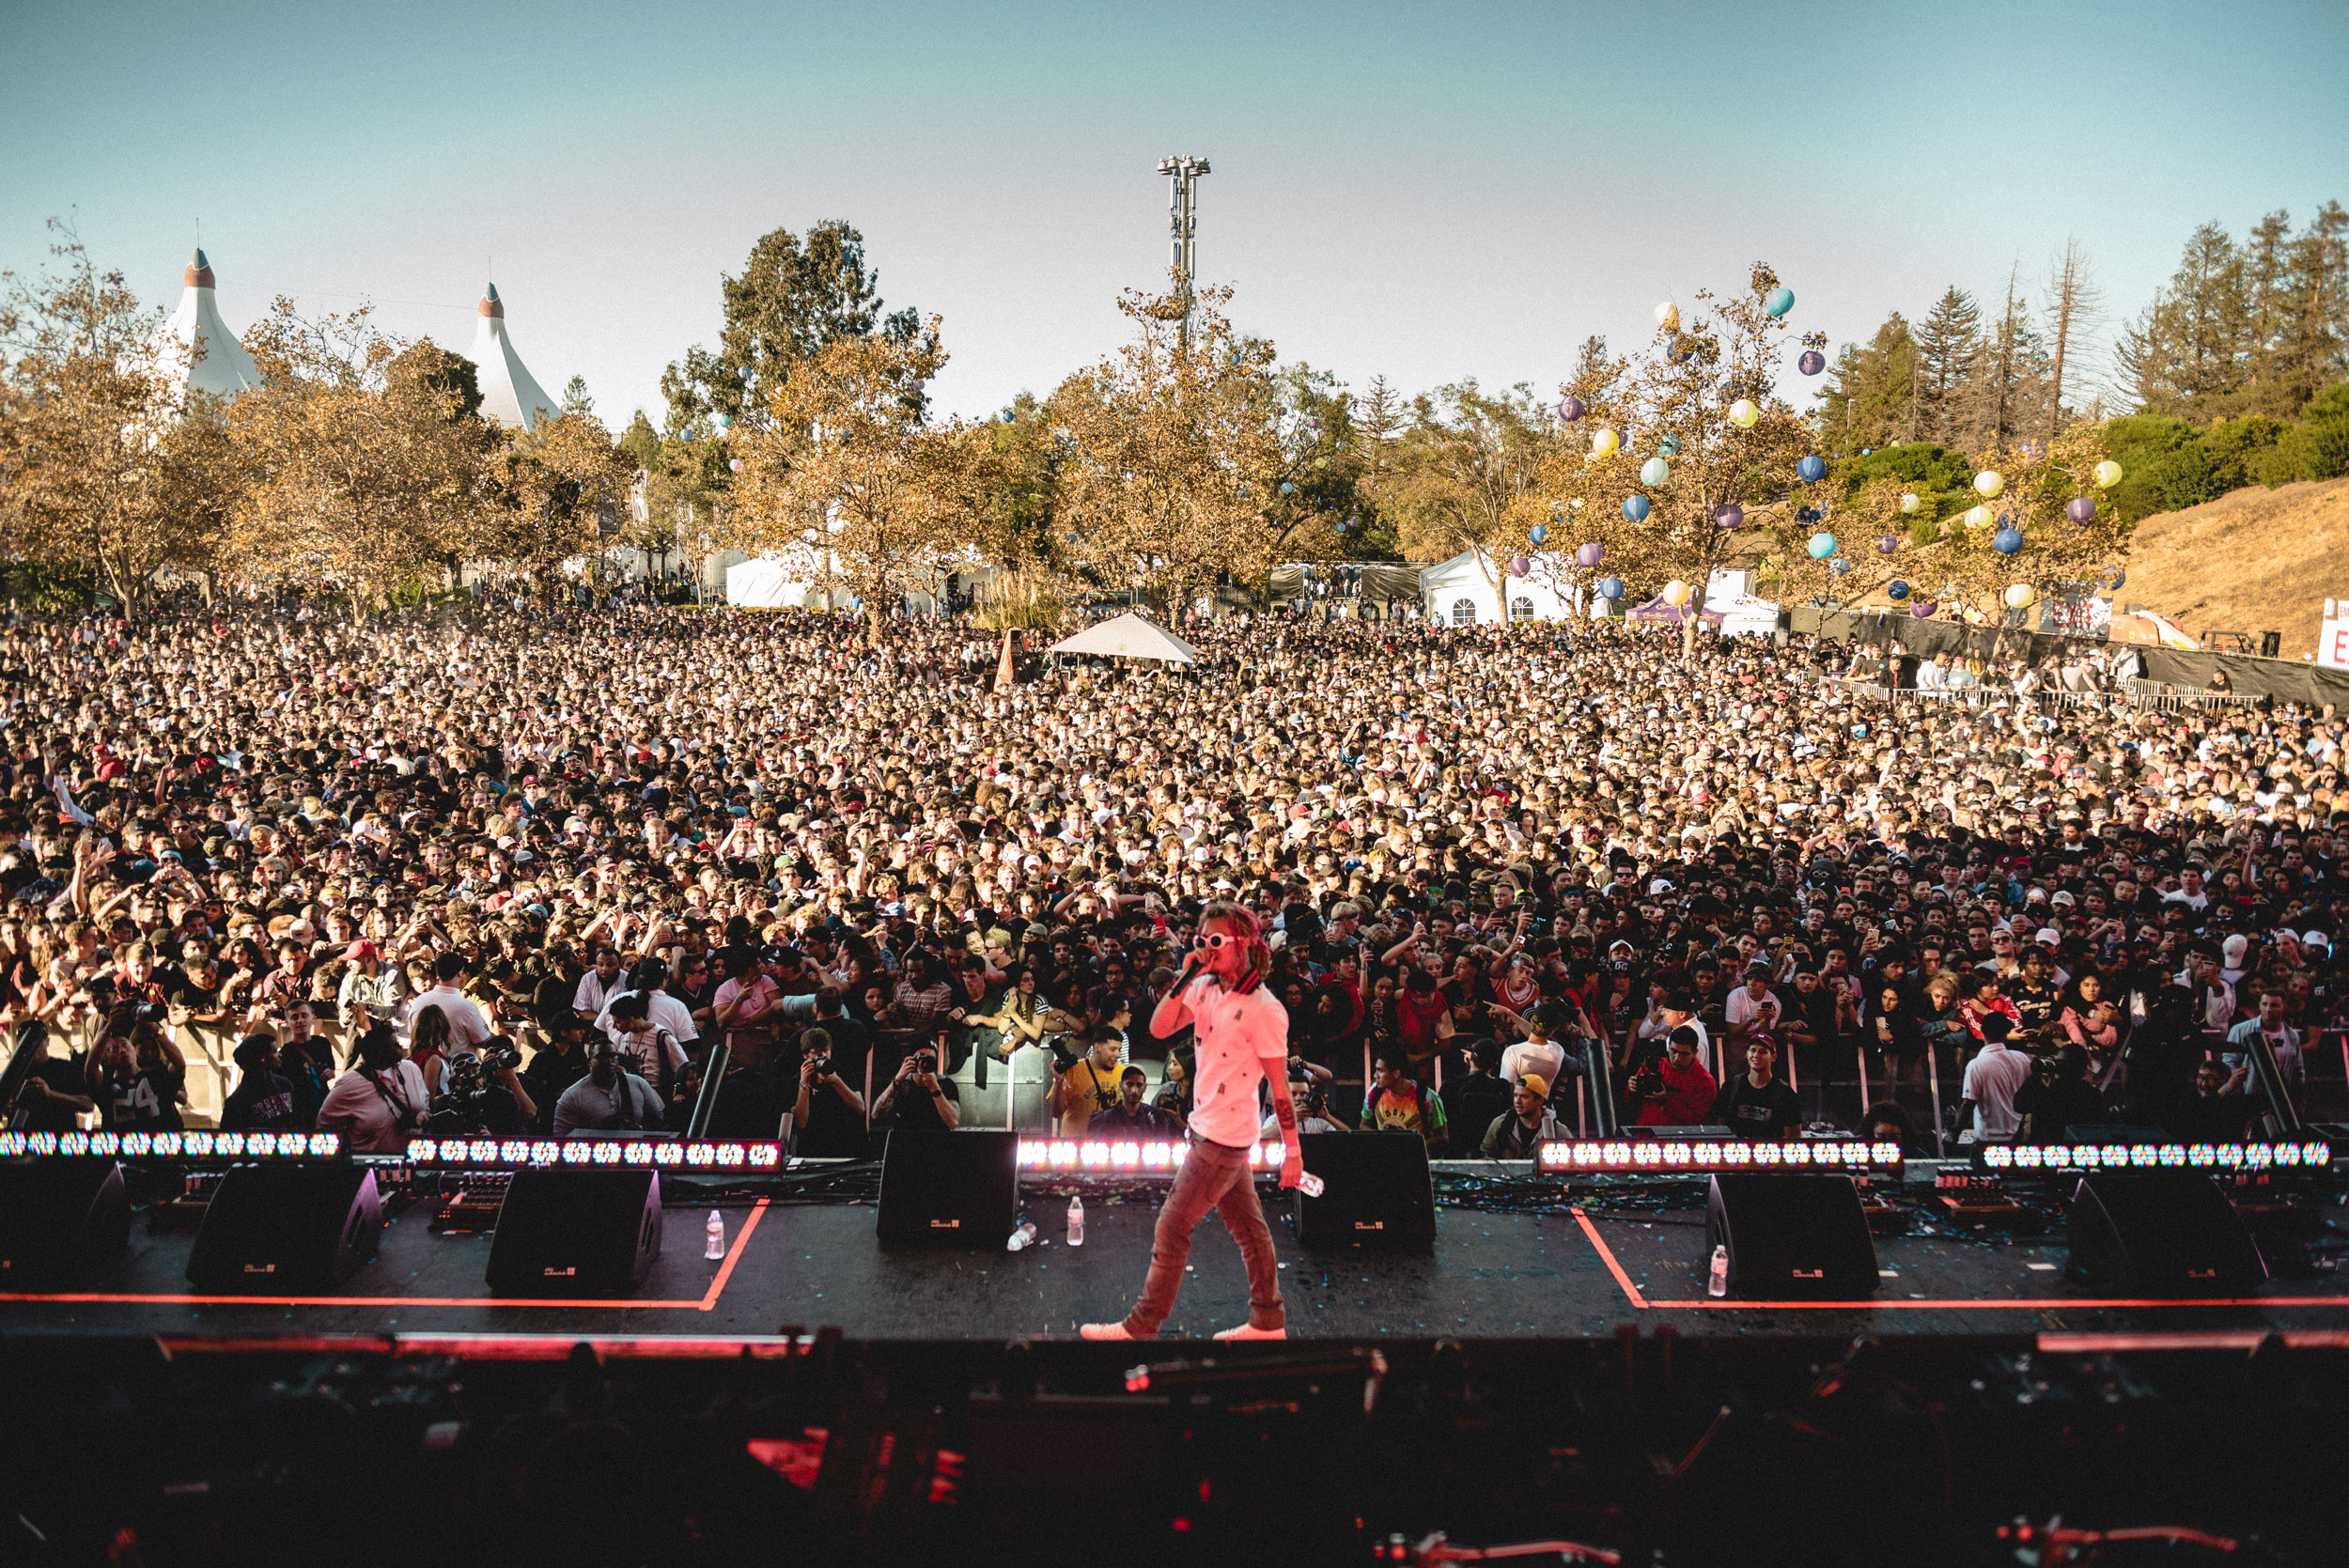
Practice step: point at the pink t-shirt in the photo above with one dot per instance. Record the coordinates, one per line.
(1235, 1036)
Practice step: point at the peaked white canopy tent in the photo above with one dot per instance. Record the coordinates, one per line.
(1129, 636)
(510, 394)
(198, 351)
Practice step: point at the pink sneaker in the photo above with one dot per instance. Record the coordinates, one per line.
(1245, 1333)
(1104, 1331)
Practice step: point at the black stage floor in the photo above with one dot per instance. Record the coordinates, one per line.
(1489, 1275)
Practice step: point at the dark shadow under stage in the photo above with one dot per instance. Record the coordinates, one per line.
(1516, 1275)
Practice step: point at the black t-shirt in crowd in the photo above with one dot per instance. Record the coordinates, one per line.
(1769, 1112)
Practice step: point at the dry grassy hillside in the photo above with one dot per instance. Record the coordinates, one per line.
(2256, 560)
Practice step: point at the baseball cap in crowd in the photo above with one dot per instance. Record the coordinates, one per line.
(2064, 899)
(358, 950)
(2049, 937)
(2316, 938)
(1535, 1081)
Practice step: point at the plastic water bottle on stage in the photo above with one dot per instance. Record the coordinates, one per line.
(1719, 1283)
(1309, 1184)
(1021, 1238)
(1076, 1220)
(717, 1248)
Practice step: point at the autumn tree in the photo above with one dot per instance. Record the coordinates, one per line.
(1678, 402)
(845, 483)
(364, 468)
(104, 467)
(2039, 485)
(1461, 479)
(1175, 454)
(552, 487)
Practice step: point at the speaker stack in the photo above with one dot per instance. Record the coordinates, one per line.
(586, 1232)
(1791, 1235)
(298, 1227)
(958, 1188)
(2169, 1233)
(1377, 1191)
(59, 1219)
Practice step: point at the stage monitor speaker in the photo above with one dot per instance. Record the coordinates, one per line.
(1791, 1235)
(59, 1218)
(298, 1228)
(576, 1231)
(961, 1188)
(1375, 1190)
(2160, 1234)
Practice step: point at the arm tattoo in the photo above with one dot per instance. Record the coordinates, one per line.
(1286, 1113)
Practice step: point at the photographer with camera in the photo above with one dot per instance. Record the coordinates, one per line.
(828, 1115)
(918, 1098)
(610, 1098)
(53, 1093)
(380, 1101)
(1679, 1091)
(482, 1092)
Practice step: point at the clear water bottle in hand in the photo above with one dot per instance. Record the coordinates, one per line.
(1719, 1283)
(1021, 1238)
(1076, 1220)
(1309, 1184)
(717, 1248)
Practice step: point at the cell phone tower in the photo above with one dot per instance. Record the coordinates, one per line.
(1182, 223)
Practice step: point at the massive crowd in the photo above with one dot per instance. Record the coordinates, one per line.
(268, 869)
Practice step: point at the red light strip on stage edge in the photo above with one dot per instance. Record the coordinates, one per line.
(659, 1153)
(2312, 1156)
(1153, 1159)
(1712, 1155)
(171, 1145)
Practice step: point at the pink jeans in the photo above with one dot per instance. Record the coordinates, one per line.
(1213, 1177)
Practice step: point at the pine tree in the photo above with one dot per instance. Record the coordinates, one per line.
(2312, 348)
(1948, 344)
(1870, 399)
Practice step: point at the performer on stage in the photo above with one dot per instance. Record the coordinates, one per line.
(1242, 1035)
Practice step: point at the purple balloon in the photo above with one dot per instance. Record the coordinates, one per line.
(1570, 408)
(2082, 510)
(1519, 566)
(1730, 515)
(1590, 554)
(1888, 544)
(1813, 362)
(1923, 606)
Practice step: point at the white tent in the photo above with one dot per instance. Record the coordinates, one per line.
(508, 392)
(1742, 613)
(1458, 593)
(1129, 636)
(199, 351)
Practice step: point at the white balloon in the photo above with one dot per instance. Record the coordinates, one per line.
(1668, 317)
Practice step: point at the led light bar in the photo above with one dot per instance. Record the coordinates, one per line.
(666, 1154)
(1158, 1158)
(171, 1145)
(2314, 1155)
(1663, 1157)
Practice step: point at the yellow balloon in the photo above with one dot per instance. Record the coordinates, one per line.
(1978, 516)
(2107, 475)
(1742, 414)
(1604, 441)
(1668, 317)
(2021, 596)
(1988, 482)
(1675, 593)
(1909, 500)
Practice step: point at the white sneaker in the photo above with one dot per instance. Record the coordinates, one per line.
(1103, 1332)
(1245, 1333)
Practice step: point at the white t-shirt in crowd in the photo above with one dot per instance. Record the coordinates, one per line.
(1741, 1005)
(1991, 1078)
(1235, 1036)
(1545, 1057)
(466, 1026)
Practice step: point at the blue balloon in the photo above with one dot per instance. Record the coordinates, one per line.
(1287, 489)
(1636, 508)
(1898, 589)
(2006, 541)
(1779, 301)
(1837, 568)
(1611, 587)
(1812, 469)
(1668, 446)
(1821, 546)
(1538, 532)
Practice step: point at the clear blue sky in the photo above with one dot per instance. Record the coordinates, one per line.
(1430, 191)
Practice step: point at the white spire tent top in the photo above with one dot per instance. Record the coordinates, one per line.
(1129, 636)
(199, 352)
(508, 393)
